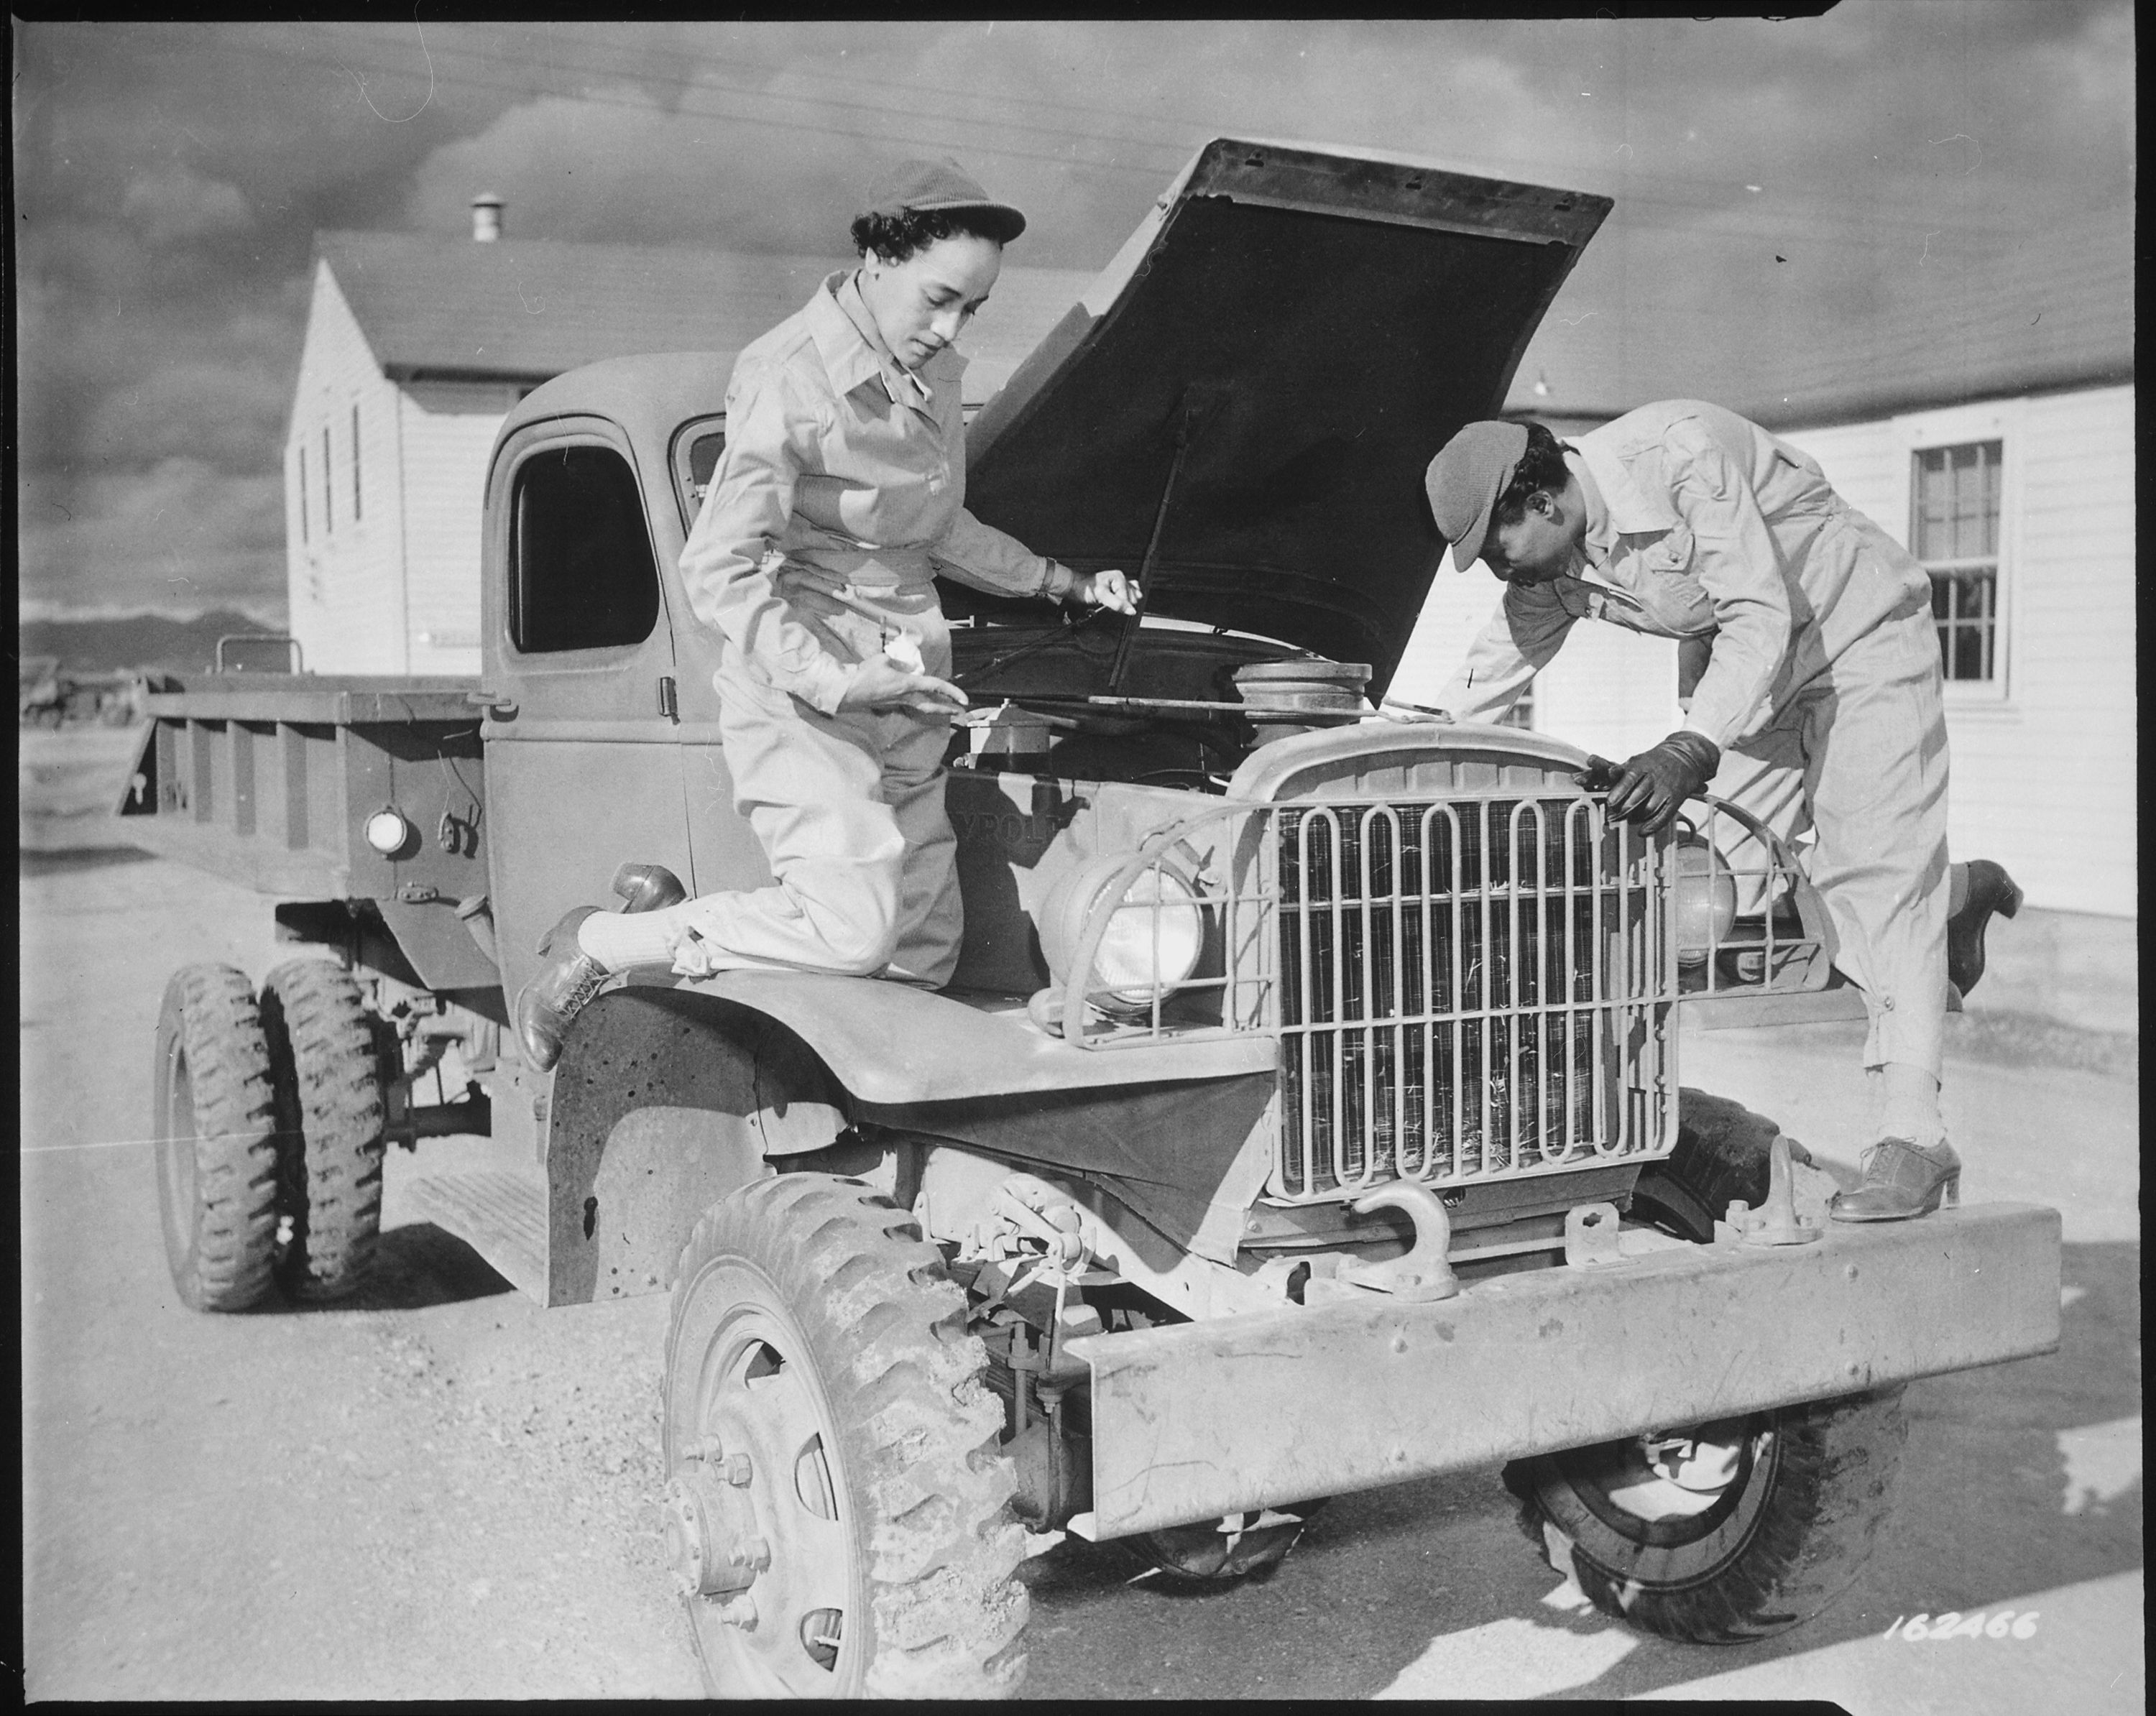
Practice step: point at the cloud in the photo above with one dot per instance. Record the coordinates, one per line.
(174, 204)
(227, 415)
(169, 177)
(180, 535)
(617, 167)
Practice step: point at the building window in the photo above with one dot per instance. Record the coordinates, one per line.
(1522, 714)
(303, 494)
(329, 517)
(355, 462)
(1955, 530)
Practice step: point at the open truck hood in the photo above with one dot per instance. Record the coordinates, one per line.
(1312, 325)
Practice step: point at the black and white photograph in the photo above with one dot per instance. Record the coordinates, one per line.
(1379, 784)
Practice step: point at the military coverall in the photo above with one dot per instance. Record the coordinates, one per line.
(839, 495)
(1821, 681)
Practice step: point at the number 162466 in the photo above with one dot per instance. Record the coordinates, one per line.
(2005, 1624)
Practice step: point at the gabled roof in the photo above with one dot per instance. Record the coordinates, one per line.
(2056, 310)
(526, 310)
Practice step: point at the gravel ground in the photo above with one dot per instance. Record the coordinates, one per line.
(439, 1490)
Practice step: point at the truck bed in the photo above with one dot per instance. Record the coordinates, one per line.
(268, 779)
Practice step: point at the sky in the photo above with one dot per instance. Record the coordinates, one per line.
(169, 179)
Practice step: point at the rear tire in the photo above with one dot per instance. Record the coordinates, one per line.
(323, 1056)
(826, 1419)
(1788, 1534)
(214, 1122)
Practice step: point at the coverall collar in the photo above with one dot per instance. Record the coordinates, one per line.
(1629, 509)
(853, 352)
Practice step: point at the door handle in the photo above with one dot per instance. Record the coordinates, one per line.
(494, 703)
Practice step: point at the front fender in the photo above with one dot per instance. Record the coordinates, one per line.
(661, 1105)
(892, 1045)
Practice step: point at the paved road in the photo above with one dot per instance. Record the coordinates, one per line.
(439, 1491)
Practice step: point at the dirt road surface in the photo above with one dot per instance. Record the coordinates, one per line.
(436, 1490)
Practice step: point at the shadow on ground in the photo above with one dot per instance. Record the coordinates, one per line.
(414, 1266)
(1991, 1506)
(67, 858)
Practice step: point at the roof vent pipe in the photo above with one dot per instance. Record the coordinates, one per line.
(486, 218)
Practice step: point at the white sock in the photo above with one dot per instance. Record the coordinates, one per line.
(620, 939)
(1957, 887)
(1912, 1105)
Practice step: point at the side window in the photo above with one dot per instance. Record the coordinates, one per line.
(696, 449)
(581, 573)
(1955, 533)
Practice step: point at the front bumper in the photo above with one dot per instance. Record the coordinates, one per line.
(1198, 1420)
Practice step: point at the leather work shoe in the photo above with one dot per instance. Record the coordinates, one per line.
(1990, 889)
(1900, 1179)
(558, 992)
(648, 887)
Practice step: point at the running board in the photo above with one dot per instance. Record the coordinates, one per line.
(500, 1213)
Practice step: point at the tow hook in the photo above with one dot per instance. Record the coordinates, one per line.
(1776, 1221)
(1422, 1272)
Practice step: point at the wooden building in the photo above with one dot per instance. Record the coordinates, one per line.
(1990, 429)
(416, 349)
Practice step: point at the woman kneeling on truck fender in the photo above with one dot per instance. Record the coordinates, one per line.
(837, 499)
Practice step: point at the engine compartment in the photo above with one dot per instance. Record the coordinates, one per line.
(1062, 673)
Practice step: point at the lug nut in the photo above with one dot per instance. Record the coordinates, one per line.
(735, 1470)
(738, 1611)
(751, 1552)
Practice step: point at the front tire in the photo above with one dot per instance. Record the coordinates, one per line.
(1723, 1154)
(213, 1117)
(328, 1075)
(1730, 1533)
(837, 1506)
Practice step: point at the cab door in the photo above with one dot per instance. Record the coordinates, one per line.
(724, 850)
(583, 768)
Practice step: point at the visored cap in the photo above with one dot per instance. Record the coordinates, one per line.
(1464, 480)
(939, 186)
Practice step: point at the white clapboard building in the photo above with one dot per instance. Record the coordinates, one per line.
(416, 349)
(1992, 432)
(1991, 429)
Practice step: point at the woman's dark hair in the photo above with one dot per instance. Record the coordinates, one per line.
(896, 237)
(1541, 467)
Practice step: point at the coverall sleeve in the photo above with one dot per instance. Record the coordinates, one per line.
(771, 428)
(1735, 559)
(989, 559)
(1523, 637)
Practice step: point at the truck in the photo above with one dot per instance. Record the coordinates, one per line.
(1304, 1116)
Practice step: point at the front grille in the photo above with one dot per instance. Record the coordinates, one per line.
(1471, 990)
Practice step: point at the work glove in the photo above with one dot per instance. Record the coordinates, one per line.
(1652, 786)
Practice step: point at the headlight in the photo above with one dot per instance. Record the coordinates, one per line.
(1153, 938)
(390, 832)
(1704, 901)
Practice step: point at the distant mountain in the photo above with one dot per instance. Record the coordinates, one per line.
(136, 640)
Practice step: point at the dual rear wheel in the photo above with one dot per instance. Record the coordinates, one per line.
(268, 1115)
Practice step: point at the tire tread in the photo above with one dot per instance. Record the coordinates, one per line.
(947, 1614)
(323, 1045)
(211, 1010)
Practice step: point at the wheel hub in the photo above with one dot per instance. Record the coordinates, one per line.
(1680, 1474)
(711, 1525)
